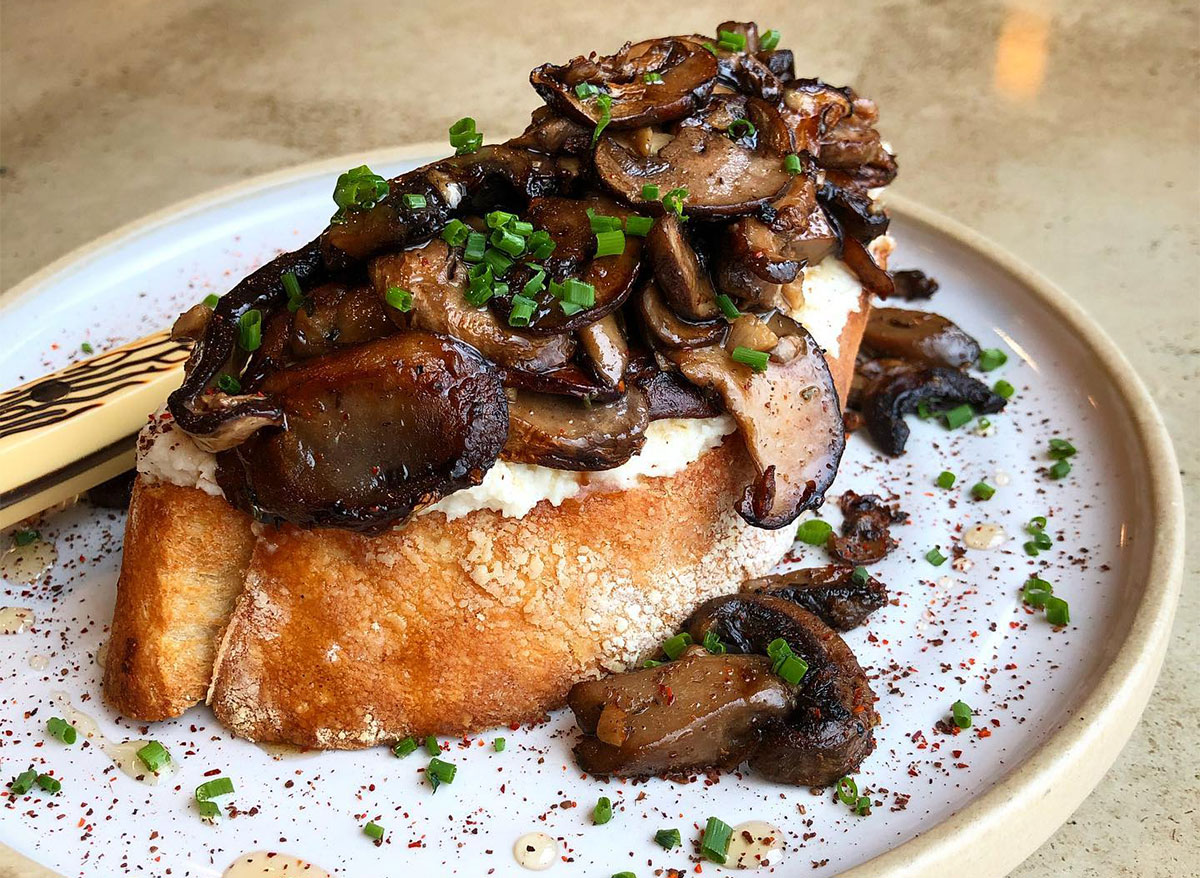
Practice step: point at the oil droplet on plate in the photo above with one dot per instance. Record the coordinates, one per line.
(122, 753)
(26, 564)
(15, 620)
(984, 536)
(754, 844)
(536, 851)
(272, 865)
(39, 662)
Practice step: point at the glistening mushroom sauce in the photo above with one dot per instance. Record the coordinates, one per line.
(273, 865)
(535, 851)
(754, 844)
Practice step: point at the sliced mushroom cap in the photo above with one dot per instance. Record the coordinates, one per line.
(569, 380)
(336, 315)
(669, 329)
(681, 276)
(606, 348)
(899, 393)
(437, 281)
(920, 337)
(723, 177)
(788, 416)
(832, 593)
(866, 529)
(744, 70)
(857, 214)
(810, 108)
(831, 730)
(698, 712)
(669, 395)
(801, 229)
(912, 284)
(858, 259)
(190, 325)
(687, 72)
(551, 133)
(564, 433)
(372, 433)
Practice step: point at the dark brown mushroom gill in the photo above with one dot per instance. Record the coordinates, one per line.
(832, 593)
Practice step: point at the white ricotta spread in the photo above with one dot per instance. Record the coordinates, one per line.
(831, 293)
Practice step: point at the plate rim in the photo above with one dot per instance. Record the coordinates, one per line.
(1005, 824)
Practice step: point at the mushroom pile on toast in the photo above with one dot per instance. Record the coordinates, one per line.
(631, 256)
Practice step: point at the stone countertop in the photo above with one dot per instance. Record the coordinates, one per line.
(1067, 132)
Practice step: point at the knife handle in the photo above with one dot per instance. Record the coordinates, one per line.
(66, 432)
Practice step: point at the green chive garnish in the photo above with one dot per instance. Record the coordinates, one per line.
(522, 310)
(668, 838)
(507, 241)
(1036, 592)
(958, 416)
(650, 192)
(935, 557)
(210, 789)
(791, 164)
(476, 246)
(847, 790)
(962, 714)
(413, 201)
(455, 233)
(638, 226)
(768, 41)
(741, 128)
(1058, 612)
(291, 286)
(674, 646)
(250, 329)
(499, 261)
(540, 244)
(87, 348)
(652, 78)
(534, 285)
(1061, 448)
(211, 300)
(946, 479)
(373, 831)
(154, 756)
(601, 223)
(982, 491)
(992, 358)
(604, 102)
(463, 136)
(431, 746)
(860, 575)
(48, 783)
(498, 745)
(624, 875)
(61, 729)
(815, 532)
(357, 189)
(610, 243)
(1004, 389)
(1060, 470)
(576, 292)
(727, 307)
(713, 643)
(602, 813)
(672, 202)
(229, 384)
(23, 782)
(863, 806)
(25, 536)
(403, 748)
(715, 844)
(731, 41)
(399, 298)
(756, 360)
(585, 90)
(791, 669)
(440, 772)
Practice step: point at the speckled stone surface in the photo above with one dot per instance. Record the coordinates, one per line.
(1067, 132)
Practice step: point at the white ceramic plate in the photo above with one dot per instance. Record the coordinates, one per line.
(1056, 704)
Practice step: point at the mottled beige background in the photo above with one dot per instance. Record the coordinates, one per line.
(1066, 131)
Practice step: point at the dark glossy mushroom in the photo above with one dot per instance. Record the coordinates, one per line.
(722, 176)
(670, 395)
(698, 712)
(569, 380)
(438, 280)
(857, 257)
(866, 529)
(686, 72)
(854, 148)
(743, 70)
(858, 216)
(781, 62)
(681, 276)
(832, 593)
(604, 345)
(668, 328)
(788, 416)
(830, 731)
(373, 433)
(913, 284)
(919, 337)
(565, 433)
(811, 107)
(888, 400)
(554, 134)
(336, 315)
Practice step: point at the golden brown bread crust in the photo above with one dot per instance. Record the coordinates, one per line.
(342, 641)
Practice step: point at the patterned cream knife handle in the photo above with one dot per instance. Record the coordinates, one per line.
(69, 431)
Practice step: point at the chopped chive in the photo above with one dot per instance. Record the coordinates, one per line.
(674, 646)
(791, 669)
(860, 575)
(250, 329)
(650, 192)
(982, 491)
(756, 360)
(604, 102)
(962, 714)
(958, 416)
(211, 300)
(23, 782)
(672, 202)
(624, 875)
(847, 790)
(713, 643)
(463, 136)
(48, 783)
(768, 41)
(498, 260)
(602, 813)
(455, 233)
(778, 648)
(291, 286)
(25, 536)
(373, 831)
(87, 348)
(357, 189)
(522, 310)
(412, 200)
(610, 243)
(440, 772)
(1061, 448)
(638, 226)
(727, 307)
(1043, 541)
(1036, 592)
(498, 219)
(711, 48)
(498, 745)
(739, 128)
(946, 479)
(731, 41)
(651, 663)
(935, 557)
(1004, 389)
(652, 78)
(431, 746)
(399, 298)
(510, 242)
(210, 789)
(154, 756)
(992, 358)
(208, 810)
(983, 425)
(1030, 548)
(535, 284)
(668, 838)
(585, 90)
(61, 729)
(1037, 523)
(524, 229)
(1060, 469)
(600, 222)
(863, 806)
(576, 292)
(403, 748)
(715, 844)
(1058, 612)
(815, 532)
(540, 244)
(791, 164)
(924, 412)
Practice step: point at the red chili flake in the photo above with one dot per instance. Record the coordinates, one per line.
(985, 733)
(666, 694)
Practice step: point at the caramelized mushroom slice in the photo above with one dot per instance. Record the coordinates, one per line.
(606, 349)
(677, 269)
(831, 730)
(569, 380)
(723, 176)
(334, 315)
(670, 330)
(788, 416)
(563, 433)
(866, 529)
(810, 108)
(686, 72)
(372, 433)
(874, 279)
(698, 712)
(437, 281)
(900, 391)
(550, 133)
(669, 395)
(912, 284)
(832, 593)
(857, 215)
(920, 337)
